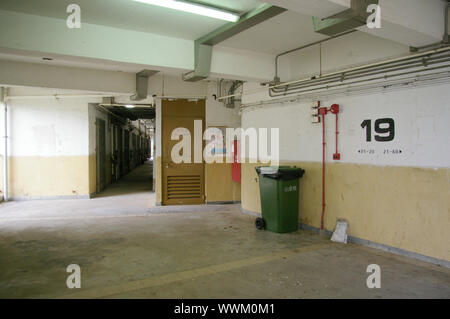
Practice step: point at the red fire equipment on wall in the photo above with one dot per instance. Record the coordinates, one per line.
(322, 111)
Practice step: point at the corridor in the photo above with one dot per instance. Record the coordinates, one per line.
(127, 248)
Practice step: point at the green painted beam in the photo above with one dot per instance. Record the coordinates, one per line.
(203, 45)
(349, 19)
(248, 20)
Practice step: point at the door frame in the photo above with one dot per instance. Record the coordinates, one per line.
(100, 154)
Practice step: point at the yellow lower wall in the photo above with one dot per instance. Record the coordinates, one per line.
(48, 176)
(403, 207)
(61, 176)
(92, 174)
(158, 181)
(219, 187)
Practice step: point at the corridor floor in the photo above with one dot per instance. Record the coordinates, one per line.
(127, 248)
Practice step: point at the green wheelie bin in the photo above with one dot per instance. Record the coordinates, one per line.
(279, 189)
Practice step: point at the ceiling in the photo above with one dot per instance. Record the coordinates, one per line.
(278, 34)
(137, 113)
(131, 15)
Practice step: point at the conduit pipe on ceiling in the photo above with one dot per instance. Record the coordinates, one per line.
(393, 67)
(384, 77)
(372, 70)
(3, 95)
(306, 46)
(381, 63)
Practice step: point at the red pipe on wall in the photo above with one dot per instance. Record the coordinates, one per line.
(323, 174)
(336, 156)
(323, 111)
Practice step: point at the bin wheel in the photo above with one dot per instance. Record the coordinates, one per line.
(260, 223)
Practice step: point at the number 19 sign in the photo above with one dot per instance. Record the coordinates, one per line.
(380, 131)
(385, 128)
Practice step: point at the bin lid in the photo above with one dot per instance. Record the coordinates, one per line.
(280, 172)
(265, 170)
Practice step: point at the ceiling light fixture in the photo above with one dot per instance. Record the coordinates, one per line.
(194, 8)
(129, 106)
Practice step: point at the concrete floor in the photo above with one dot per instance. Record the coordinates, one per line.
(127, 248)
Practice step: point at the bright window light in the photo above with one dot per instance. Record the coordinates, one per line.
(194, 8)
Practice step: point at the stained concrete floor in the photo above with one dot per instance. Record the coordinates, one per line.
(127, 248)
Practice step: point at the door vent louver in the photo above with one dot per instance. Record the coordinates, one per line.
(184, 187)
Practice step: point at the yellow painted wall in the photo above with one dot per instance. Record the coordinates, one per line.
(219, 186)
(158, 181)
(36, 176)
(403, 207)
(92, 173)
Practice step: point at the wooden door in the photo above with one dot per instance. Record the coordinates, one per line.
(184, 183)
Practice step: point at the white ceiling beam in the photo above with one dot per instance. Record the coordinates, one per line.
(411, 22)
(50, 36)
(229, 63)
(317, 8)
(14, 73)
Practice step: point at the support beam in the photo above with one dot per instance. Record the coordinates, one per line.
(203, 45)
(142, 84)
(346, 20)
(202, 63)
(411, 22)
(15, 73)
(95, 47)
(49, 36)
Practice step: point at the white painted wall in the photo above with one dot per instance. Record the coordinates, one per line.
(420, 113)
(347, 51)
(46, 127)
(217, 114)
(421, 128)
